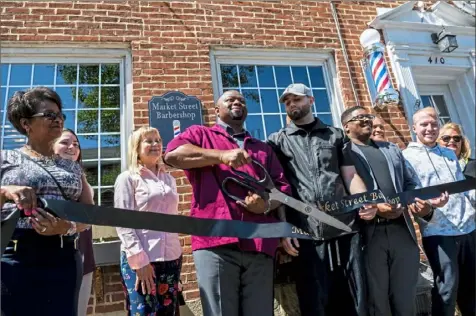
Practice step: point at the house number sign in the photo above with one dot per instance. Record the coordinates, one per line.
(436, 60)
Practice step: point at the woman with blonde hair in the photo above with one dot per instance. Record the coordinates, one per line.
(451, 136)
(150, 260)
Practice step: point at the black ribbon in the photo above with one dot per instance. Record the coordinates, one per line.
(109, 216)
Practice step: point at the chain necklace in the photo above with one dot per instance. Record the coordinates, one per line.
(38, 155)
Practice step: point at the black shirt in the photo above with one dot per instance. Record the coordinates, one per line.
(379, 165)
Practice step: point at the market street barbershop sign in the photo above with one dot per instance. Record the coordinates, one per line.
(173, 112)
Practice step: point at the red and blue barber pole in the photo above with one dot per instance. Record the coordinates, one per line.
(370, 40)
(176, 127)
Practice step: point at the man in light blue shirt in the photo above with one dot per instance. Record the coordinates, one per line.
(449, 237)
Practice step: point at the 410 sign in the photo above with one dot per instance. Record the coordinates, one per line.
(436, 60)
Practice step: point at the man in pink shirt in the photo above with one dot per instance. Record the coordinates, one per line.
(235, 276)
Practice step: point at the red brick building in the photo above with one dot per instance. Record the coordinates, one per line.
(108, 59)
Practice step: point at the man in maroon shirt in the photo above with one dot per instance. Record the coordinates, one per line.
(235, 276)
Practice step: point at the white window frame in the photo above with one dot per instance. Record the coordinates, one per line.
(74, 55)
(247, 56)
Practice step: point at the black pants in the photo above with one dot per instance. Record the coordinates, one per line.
(330, 278)
(452, 259)
(41, 281)
(392, 260)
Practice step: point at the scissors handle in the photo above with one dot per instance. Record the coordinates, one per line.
(242, 184)
(265, 182)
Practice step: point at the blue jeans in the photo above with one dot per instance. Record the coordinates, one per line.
(164, 300)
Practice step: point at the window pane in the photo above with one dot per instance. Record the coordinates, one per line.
(70, 119)
(4, 70)
(425, 100)
(66, 74)
(254, 126)
(265, 76)
(326, 118)
(269, 100)
(283, 76)
(88, 74)
(107, 196)
(283, 107)
(88, 98)
(91, 170)
(110, 97)
(68, 97)
(247, 76)
(317, 77)
(110, 146)
(273, 124)
(43, 74)
(110, 121)
(88, 121)
(321, 100)
(3, 100)
(284, 117)
(110, 74)
(229, 76)
(109, 172)
(300, 75)
(89, 147)
(252, 100)
(20, 75)
(440, 105)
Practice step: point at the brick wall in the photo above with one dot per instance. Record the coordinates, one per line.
(170, 44)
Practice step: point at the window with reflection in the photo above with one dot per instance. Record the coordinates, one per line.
(91, 95)
(438, 103)
(263, 84)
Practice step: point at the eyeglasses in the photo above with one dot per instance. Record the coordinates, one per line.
(51, 115)
(447, 138)
(362, 118)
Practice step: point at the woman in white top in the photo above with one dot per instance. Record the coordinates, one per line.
(150, 260)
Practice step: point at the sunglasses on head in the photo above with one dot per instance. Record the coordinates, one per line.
(51, 115)
(362, 118)
(447, 138)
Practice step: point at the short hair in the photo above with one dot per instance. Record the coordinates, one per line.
(24, 104)
(431, 112)
(465, 146)
(348, 112)
(134, 144)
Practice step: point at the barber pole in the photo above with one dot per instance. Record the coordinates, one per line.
(379, 72)
(370, 40)
(176, 126)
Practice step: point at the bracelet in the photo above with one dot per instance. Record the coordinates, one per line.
(72, 230)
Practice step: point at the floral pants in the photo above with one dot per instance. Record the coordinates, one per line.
(164, 300)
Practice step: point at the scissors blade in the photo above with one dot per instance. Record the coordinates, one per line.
(308, 210)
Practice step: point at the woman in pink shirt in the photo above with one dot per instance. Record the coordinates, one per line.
(150, 260)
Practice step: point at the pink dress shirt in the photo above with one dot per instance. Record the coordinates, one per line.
(147, 192)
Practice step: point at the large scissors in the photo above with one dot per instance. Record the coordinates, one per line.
(266, 189)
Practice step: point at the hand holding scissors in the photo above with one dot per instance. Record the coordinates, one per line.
(266, 189)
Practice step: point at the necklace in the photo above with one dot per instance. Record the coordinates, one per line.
(38, 155)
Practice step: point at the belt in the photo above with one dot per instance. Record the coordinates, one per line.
(383, 220)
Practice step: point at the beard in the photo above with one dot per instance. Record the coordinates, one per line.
(297, 114)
